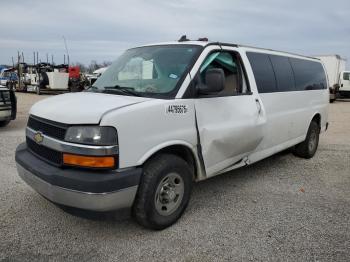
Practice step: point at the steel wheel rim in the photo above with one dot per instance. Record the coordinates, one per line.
(312, 141)
(169, 194)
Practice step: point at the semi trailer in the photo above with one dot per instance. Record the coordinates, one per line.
(338, 78)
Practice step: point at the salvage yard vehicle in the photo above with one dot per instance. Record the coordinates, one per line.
(344, 89)
(96, 74)
(8, 77)
(335, 67)
(8, 106)
(52, 78)
(165, 115)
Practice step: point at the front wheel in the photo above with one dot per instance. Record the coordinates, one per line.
(164, 191)
(308, 147)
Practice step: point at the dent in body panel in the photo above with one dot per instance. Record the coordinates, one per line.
(226, 142)
(229, 129)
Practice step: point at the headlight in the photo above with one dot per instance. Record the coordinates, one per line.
(92, 135)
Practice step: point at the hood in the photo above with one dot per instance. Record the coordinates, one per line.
(81, 108)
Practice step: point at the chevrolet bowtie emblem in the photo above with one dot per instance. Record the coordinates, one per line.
(38, 137)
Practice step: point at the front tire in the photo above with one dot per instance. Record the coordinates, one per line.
(308, 147)
(164, 191)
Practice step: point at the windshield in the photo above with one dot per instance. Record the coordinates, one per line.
(147, 71)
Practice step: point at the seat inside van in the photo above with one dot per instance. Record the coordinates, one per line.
(225, 61)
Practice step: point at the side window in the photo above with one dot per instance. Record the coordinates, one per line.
(234, 82)
(263, 72)
(309, 75)
(346, 76)
(283, 72)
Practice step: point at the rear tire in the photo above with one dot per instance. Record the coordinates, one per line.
(331, 100)
(164, 191)
(307, 149)
(38, 91)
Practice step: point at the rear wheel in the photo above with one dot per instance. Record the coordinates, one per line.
(164, 191)
(307, 149)
(38, 91)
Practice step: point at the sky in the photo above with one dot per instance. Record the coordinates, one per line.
(102, 30)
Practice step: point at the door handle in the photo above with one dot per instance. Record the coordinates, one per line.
(258, 105)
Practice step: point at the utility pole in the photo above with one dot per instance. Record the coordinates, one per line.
(19, 70)
(65, 44)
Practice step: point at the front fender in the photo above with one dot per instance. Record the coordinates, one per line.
(164, 145)
(145, 128)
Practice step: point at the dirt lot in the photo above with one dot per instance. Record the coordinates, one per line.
(281, 209)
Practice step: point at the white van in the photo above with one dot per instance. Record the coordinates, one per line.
(344, 87)
(165, 115)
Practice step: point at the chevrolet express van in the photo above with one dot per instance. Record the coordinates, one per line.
(166, 115)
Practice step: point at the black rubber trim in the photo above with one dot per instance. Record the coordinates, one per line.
(76, 179)
(13, 99)
(222, 44)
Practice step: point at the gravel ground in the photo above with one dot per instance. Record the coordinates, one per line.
(280, 209)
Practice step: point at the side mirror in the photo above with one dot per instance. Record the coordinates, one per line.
(215, 82)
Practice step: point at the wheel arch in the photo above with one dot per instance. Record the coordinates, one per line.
(317, 118)
(181, 149)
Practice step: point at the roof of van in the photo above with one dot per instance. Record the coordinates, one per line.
(335, 55)
(206, 43)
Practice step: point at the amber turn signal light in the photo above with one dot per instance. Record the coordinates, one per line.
(89, 161)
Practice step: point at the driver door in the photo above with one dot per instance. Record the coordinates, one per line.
(231, 122)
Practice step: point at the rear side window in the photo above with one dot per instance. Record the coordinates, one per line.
(263, 72)
(309, 75)
(283, 72)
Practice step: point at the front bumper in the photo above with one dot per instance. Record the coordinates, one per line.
(5, 115)
(85, 189)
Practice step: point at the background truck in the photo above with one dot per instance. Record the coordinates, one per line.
(335, 66)
(8, 105)
(48, 77)
(8, 77)
(344, 89)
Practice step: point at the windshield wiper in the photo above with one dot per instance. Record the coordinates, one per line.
(92, 88)
(121, 90)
